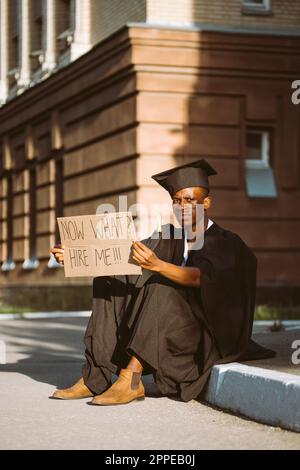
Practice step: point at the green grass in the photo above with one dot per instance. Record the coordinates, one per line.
(262, 312)
(265, 312)
(8, 309)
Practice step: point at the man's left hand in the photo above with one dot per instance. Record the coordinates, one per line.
(145, 257)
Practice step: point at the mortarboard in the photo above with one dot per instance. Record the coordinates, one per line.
(185, 176)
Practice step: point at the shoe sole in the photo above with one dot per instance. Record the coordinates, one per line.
(74, 398)
(113, 404)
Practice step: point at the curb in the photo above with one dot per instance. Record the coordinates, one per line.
(264, 395)
(36, 315)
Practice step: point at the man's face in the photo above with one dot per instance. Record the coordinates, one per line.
(185, 203)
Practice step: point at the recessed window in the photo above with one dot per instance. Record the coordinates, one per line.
(32, 262)
(257, 149)
(260, 181)
(9, 263)
(59, 176)
(14, 18)
(37, 53)
(256, 7)
(65, 24)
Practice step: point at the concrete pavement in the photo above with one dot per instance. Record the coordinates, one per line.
(43, 354)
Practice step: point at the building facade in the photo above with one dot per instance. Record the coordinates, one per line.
(97, 95)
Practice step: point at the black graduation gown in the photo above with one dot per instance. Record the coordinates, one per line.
(178, 332)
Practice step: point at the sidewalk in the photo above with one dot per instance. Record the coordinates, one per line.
(281, 342)
(267, 390)
(43, 354)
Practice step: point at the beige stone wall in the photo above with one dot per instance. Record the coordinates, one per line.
(110, 15)
(284, 13)
(170, 12)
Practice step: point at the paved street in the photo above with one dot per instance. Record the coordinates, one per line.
(44, 353)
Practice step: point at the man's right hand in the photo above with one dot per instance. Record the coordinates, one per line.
(58, 251)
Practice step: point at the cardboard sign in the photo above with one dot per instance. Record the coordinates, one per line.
(98, 245)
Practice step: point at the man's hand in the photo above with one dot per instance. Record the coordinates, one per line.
(58, 251)
(184, 275)
(145, 257)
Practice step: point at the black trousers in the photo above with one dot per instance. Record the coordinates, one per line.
(160, 323)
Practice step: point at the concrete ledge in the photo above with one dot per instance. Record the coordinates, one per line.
(36, 315)
(264, 395)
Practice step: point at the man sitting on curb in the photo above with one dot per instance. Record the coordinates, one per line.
(189, 310)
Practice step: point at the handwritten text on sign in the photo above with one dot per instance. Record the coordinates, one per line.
(98, 245)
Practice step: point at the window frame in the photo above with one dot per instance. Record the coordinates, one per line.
(254, 8)
(260, 180)
(263, 162)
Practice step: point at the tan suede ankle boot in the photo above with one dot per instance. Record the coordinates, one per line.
(126, 388)
(78, 390)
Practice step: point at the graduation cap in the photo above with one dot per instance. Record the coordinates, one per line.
(185, 176)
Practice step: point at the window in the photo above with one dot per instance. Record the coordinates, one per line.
(260, 180)
(32, 262)
(59, 197)
(256, 7)
(65, 24)
(59, 180)
(14, 30)
(36, 45)
(9, 263)
(258, 149)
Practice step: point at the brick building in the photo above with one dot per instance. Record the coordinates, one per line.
(97, 95)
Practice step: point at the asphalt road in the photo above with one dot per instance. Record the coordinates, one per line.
(43, 354)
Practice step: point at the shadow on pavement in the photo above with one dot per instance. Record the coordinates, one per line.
(50, 351)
